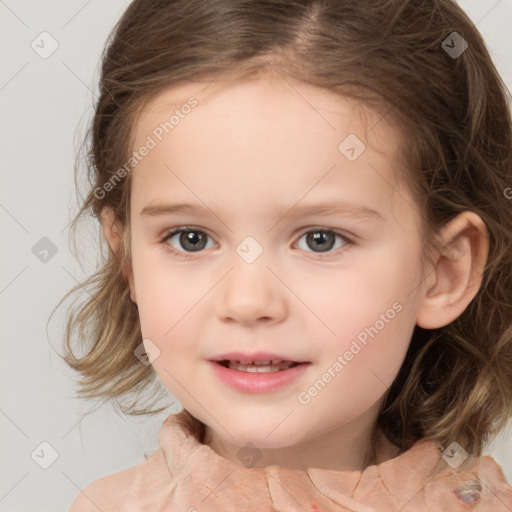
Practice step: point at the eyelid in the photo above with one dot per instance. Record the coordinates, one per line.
(337, 231)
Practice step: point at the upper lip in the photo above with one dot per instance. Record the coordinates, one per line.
(257, 356)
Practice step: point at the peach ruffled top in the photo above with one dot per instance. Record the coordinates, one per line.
(184, 475)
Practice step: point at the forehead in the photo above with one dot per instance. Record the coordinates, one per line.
(268, 95)
(269, 129)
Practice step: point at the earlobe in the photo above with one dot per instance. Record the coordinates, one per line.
(457, 271)
(113, 236)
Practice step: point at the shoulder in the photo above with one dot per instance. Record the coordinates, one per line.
(111, 492)
(479, 483)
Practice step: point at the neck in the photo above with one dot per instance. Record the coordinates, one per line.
(350, 447)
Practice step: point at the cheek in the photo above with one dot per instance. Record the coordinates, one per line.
(358, 369)
(165, 292)
(385, 343)
(373, 319)
(164, 307)
(376, 291)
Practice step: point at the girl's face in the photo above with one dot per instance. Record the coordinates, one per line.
(260, 163)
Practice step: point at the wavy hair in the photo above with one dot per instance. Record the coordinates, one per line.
(455, 383)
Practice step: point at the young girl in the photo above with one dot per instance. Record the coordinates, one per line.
(230, 138)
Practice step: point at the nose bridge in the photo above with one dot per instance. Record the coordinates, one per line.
(250, 291)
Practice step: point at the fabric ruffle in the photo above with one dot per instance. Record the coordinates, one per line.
(187, 476)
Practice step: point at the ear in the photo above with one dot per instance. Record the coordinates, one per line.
(457, 271)
(112, 232)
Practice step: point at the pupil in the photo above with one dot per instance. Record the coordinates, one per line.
(323, 238)
(192, 240)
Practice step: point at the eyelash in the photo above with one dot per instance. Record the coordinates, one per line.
(188, 255)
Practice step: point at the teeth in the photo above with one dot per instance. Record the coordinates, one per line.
(261, 363)
(260, 366)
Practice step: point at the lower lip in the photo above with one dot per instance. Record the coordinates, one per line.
(253, 382)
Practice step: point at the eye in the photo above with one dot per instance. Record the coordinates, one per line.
(323, 240)
(189, 238)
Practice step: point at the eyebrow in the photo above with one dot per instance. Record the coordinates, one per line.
(358, 212)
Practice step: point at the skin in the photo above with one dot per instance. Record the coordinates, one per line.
(248, 148)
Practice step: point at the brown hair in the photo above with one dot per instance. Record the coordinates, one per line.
(456, 381)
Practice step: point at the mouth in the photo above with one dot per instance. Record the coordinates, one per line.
(260, 372)
(266, 366)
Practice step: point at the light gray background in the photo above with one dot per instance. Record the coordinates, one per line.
(45, 105)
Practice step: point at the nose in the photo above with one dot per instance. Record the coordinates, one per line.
(251, 294)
